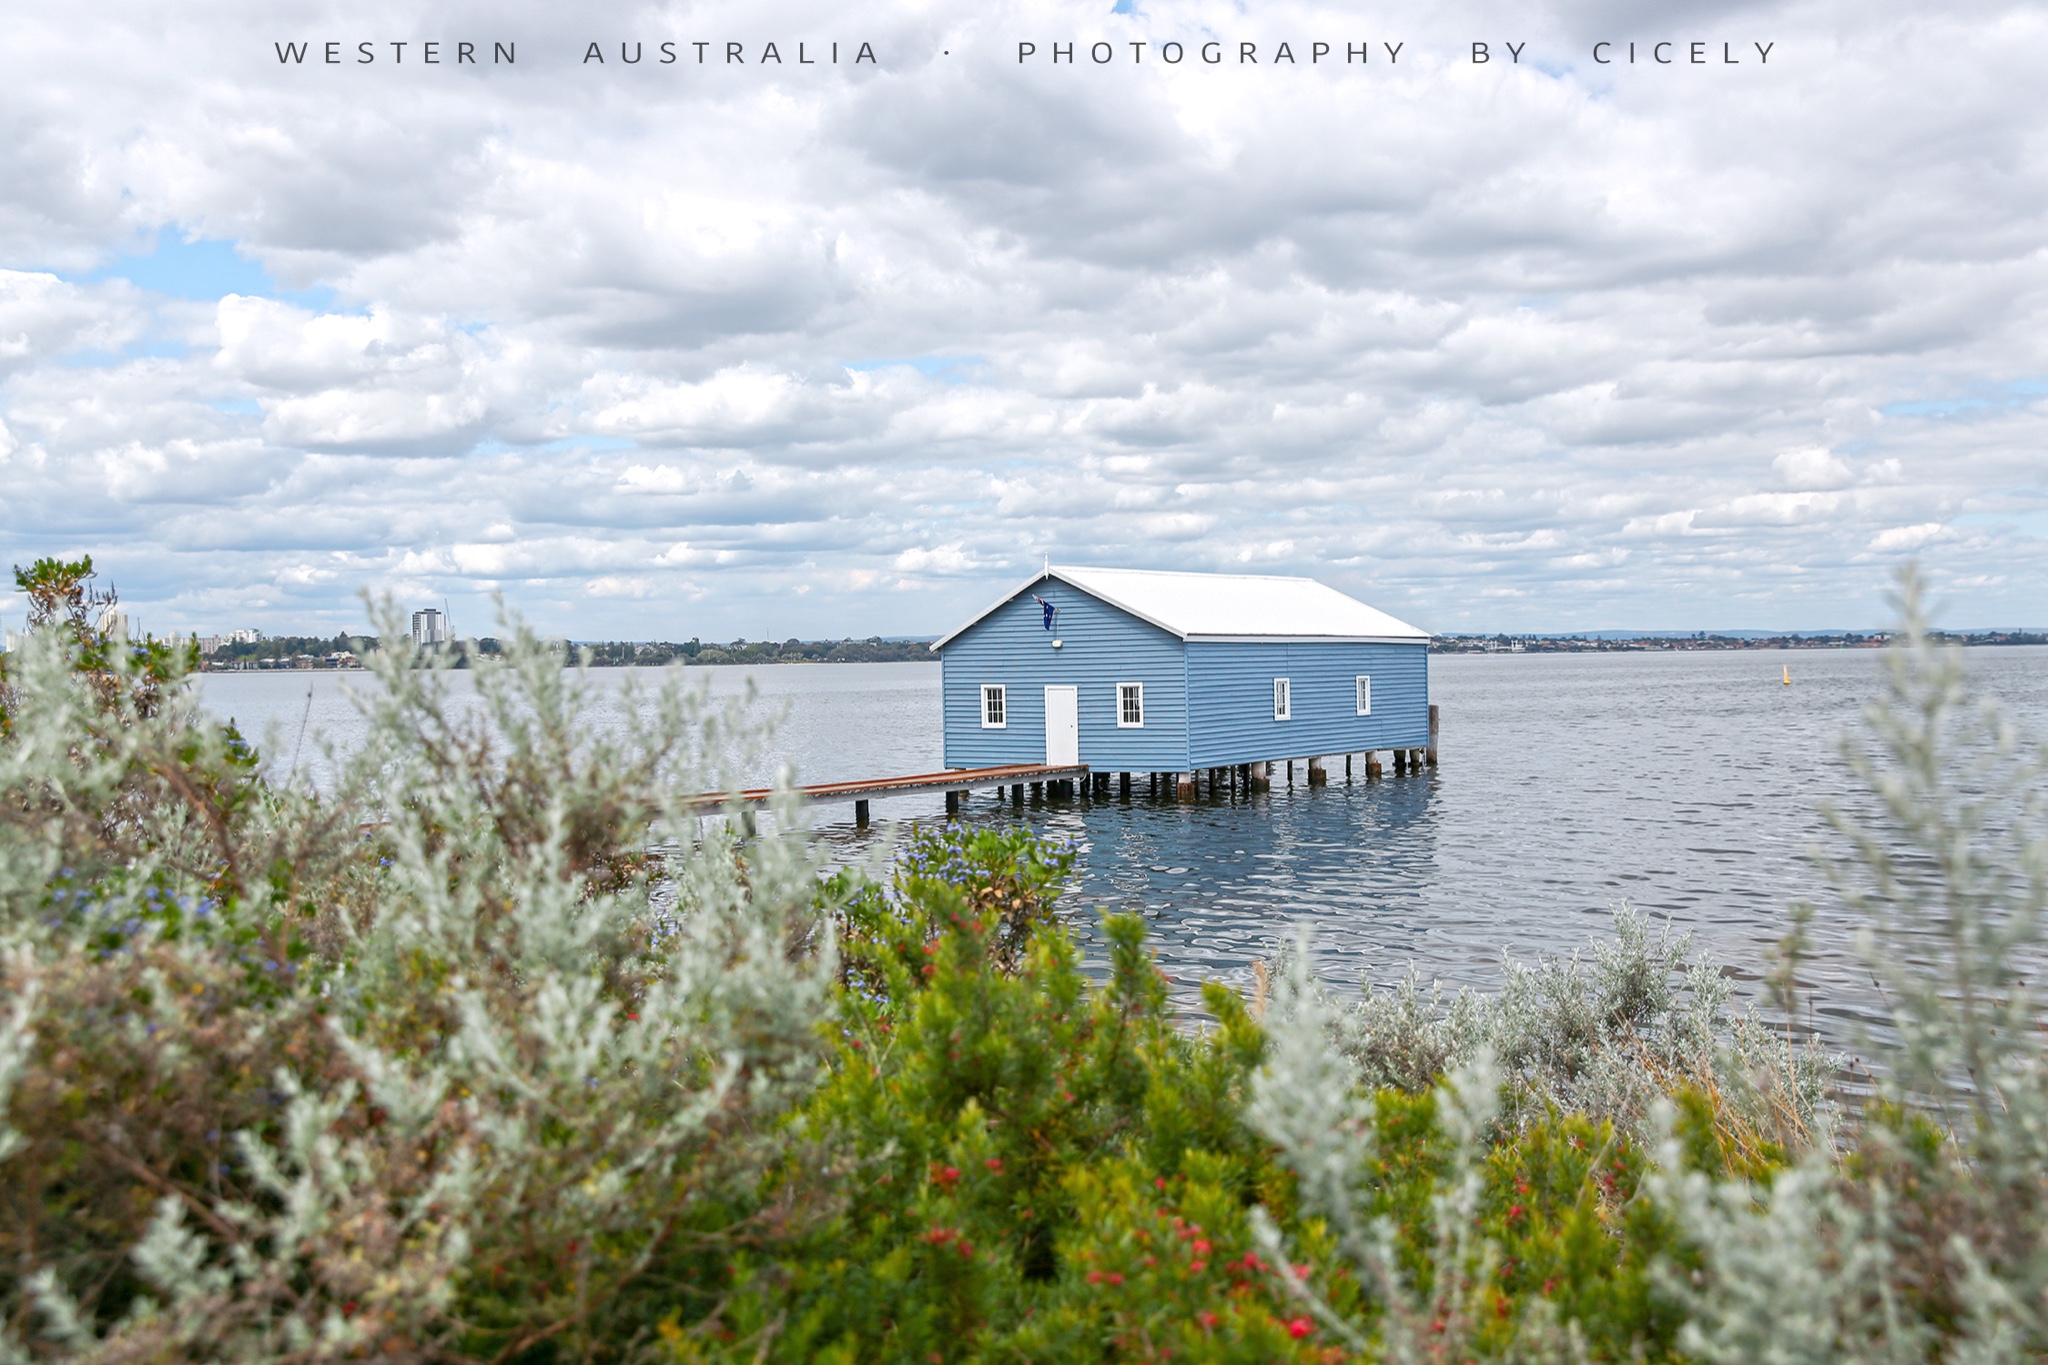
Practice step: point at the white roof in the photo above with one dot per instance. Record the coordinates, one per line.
(1227, 606)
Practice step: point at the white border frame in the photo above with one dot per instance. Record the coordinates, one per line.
(1002, 690)
(1283, 688)
(1361, 687)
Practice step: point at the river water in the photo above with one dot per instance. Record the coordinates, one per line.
(1687, 784)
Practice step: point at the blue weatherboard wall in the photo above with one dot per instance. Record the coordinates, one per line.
(1232, 686)
(1101, 647)
(1207, 703)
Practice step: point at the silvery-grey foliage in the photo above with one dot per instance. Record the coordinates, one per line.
(609, 1035)
(1606, 1038)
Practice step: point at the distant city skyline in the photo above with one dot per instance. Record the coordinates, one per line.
(1490, 326)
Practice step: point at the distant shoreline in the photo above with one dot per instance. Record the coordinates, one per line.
(1621, 642)
(290, 654)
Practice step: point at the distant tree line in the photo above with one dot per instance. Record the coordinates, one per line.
(874, 649)
(1594, 644)
(274, 651)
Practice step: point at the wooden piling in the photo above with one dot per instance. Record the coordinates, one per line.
(1123, 785)
(860, 814)
(1317, 777)
(1184, 787)
(1373, 770)
(1347, 767)
(1430, 753)
(1262, 777)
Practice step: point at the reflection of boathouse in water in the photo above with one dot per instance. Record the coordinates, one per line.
(1132, 670)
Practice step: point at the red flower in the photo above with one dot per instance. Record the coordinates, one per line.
(1114, 1277)
(1207, 1319)
(948, 1176)
(1300, 1328)
(1201, 1246)
(1196, 1267)
(994, 1163)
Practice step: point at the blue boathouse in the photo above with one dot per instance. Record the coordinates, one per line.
(1134, 670)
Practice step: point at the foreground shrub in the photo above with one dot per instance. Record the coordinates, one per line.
(1021, 1152)
(474, 1081)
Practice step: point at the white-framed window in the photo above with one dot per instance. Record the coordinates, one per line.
(1130, 706)
(995, 707)
(1364, 695)
(1283, 699)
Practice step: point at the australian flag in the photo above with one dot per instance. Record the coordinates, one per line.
(1049, 609)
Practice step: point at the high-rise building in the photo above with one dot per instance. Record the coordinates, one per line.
(429, 627)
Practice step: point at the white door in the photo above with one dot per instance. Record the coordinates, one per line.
(1062, 726)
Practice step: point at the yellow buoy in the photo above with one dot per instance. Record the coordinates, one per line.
(1788, 675)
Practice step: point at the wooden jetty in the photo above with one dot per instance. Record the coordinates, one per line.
(955, 783)
(1074, 778)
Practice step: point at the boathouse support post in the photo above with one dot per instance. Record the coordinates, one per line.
(1123, 785)
(1372, 764)
(1347, 767)
(1317, 777)
(1261, 779)
(860, 814)
(1429, 755)
(1290, 772)
(1184, 786)
(952, 803)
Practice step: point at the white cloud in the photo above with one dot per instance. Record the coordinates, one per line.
(1508, 346)
(1907, 537)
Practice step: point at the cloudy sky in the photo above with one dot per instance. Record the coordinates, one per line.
(754, 348)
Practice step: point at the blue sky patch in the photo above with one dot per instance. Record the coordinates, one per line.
(2013, 393)
(194, 268)
(948, 369)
